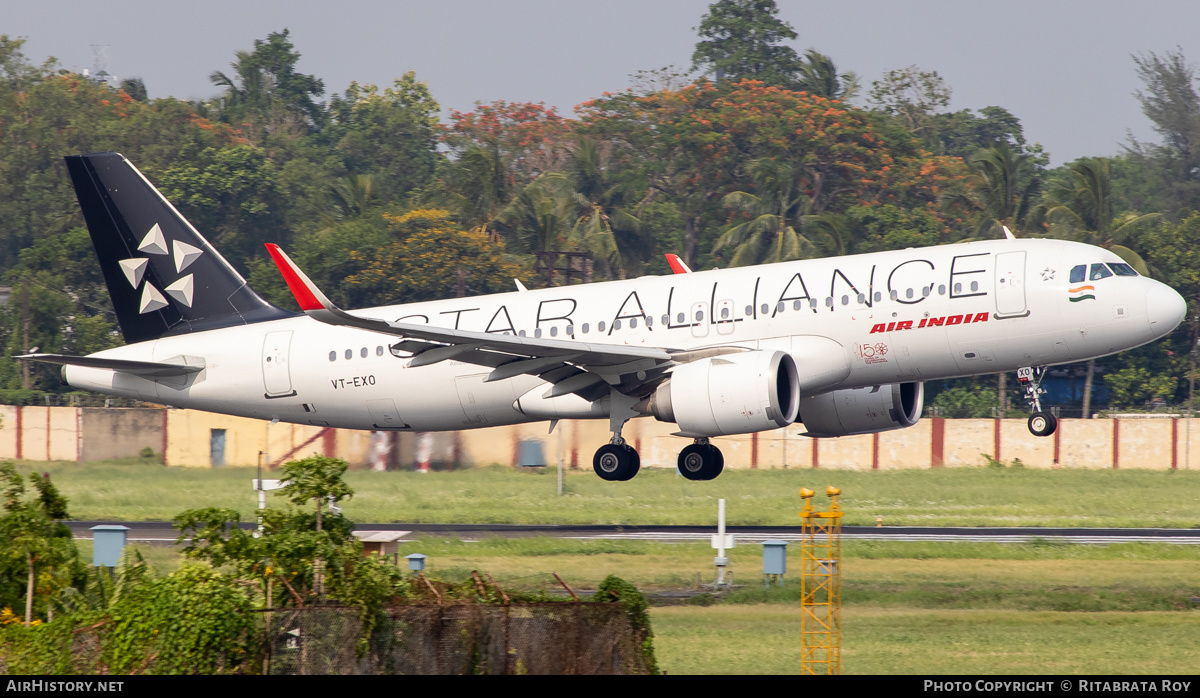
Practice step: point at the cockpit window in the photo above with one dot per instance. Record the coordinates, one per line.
(1099, 271)
(1122, 269)
(1078, 273)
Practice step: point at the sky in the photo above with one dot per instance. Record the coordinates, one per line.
(1064, 68)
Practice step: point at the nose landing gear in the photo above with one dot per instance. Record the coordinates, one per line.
(1040, 423)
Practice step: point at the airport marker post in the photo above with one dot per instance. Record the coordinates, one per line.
(721, 541)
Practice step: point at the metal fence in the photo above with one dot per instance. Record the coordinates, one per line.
(538, 638)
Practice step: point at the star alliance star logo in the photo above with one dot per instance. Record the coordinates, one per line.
(135, 269)
(1047, 274)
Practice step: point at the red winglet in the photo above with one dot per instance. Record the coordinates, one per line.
(676, 263)
(293, 276)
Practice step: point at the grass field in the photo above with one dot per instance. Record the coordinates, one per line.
(909, 608)
(942, 497)
(915, 608)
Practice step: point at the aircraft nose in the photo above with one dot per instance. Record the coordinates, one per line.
(1165, 309)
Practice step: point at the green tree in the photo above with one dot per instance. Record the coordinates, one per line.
(390, 136)
(1003, 189)
(743, 40)
(265, 95)
(770, 234)
(32, 538)
(1172, 104)
(912, 96)
(819, 76)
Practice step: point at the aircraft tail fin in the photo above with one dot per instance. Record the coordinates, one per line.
(163, 276)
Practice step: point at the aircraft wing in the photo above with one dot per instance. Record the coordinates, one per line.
(145, 369)
(573, 366)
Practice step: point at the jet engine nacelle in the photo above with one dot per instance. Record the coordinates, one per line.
(863, 410)
(729, 394)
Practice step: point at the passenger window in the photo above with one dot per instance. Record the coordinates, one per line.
(861, 299)
(632, 323)
(908, 293)
(553, 331)
(941, 289)
(1122, 269)
(749, 310)
(1078, 273)
(1099, 271)
(649, 321)
(829, 301)
(845, 300)
(349, 353)
(379, 351)
(585, 328)
(974, 286)
(893, 295)
(795, 305)
(333, 356)
(666, 319)
(780, 308)
(363, 352)
(537, 333)
(699, 315)
(681, 318)
(600, 327)
(724, 313)
(766, 309)
(616, 324)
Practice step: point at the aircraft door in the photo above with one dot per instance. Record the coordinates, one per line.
(277, 375)
(1010, 285)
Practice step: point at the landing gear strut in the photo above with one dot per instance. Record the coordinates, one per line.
(701, 461)
(617, 461)
(1040, 423)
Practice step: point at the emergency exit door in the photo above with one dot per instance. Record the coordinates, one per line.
(277, 375)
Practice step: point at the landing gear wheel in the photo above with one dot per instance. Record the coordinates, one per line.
(1042, 424)
(616, 462)
(701, 462)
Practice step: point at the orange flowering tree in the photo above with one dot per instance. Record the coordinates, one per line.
(695, 144)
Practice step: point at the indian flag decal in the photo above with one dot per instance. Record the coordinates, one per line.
(1081, 293)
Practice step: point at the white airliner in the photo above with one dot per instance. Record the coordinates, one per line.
(841, 344)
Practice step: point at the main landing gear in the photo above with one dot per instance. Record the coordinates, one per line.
(1040, 423)
(701, 461)
(617, 461)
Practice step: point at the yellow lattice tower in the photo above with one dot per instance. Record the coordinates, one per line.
(821, 586)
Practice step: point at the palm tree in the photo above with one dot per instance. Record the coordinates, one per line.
(542, 215)
(606, 227)
(819, 76)
(1079, 207)
(770, 235)
(480, 182)
(1001, 190)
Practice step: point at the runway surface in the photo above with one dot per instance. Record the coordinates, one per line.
(160, 532)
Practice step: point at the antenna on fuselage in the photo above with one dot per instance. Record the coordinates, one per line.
(1008, 233)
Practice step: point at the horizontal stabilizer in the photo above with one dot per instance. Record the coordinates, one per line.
(145, 369)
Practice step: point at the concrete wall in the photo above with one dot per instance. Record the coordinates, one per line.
(120, 433)
(87, 434)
